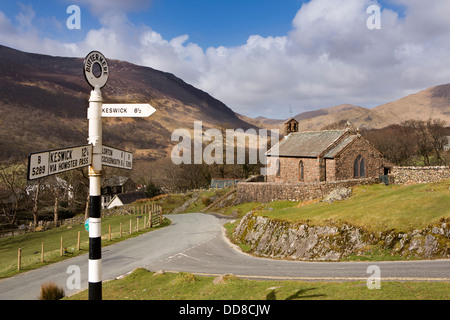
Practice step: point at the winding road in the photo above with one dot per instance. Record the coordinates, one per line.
(196, 243)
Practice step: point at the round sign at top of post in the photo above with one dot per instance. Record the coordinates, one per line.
(96, 70)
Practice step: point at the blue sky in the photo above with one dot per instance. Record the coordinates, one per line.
(208, 22)
(257, 56)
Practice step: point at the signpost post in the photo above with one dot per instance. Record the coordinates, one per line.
(94, 155)
(102, 155)
(95, 205)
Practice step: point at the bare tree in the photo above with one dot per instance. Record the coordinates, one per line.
(59, 189)
(35, 211)
(395, 142)
(436, 130)
(12, 180)
(401, 144)
(423, 140)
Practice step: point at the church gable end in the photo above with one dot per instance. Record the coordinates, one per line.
(359, 160)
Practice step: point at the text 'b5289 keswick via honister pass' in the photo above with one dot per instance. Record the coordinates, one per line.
(51, 162)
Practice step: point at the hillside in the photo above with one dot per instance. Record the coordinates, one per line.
(44, 100)
(430, 103)
(358, 116)
(433, 103)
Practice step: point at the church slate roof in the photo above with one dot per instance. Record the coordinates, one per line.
(312, 144)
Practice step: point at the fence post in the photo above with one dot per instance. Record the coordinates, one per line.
(130, 226)
(78, 242)
(150, 219)
(19, 259)
(42, 252)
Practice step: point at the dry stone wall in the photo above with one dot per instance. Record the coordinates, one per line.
(280, 239)
(271, 191)
(406, 175)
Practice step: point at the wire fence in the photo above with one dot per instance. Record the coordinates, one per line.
(142, 216)
(135, 208)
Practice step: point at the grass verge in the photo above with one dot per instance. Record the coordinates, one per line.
(145, 285)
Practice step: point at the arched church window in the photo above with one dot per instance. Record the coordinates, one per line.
(359, 167)
(278, 167)
(301, 171)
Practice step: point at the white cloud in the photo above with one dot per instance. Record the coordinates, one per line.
(328, 58)
(100, 7)
(25, 36)
(25, 16)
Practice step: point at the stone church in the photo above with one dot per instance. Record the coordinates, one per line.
(329, 155)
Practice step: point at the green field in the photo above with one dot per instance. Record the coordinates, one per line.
(145, 285)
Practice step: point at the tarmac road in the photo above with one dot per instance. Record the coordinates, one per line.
(195, 243)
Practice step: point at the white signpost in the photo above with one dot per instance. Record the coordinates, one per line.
(116, 158)
(127, 110)
(94, 155)
(46, 163)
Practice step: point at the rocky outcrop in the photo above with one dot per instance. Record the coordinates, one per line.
(338, 195)
(280, 239)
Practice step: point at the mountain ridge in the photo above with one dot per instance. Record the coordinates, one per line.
(433, 102)
(44, 100)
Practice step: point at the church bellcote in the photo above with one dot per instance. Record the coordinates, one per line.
(290, 126)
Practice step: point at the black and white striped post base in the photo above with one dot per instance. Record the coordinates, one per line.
(95, 249)
(95, 174)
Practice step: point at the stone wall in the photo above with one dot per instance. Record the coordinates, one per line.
(283, 240)
(271, 191)
(406, 175)
(290, 170)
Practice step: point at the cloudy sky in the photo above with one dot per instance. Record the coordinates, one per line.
(260, 57)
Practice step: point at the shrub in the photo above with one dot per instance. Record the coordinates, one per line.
(152, 190)
(206, 201)
(51, 291)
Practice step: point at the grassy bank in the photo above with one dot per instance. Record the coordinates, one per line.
(145, 285)
(375, 208)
